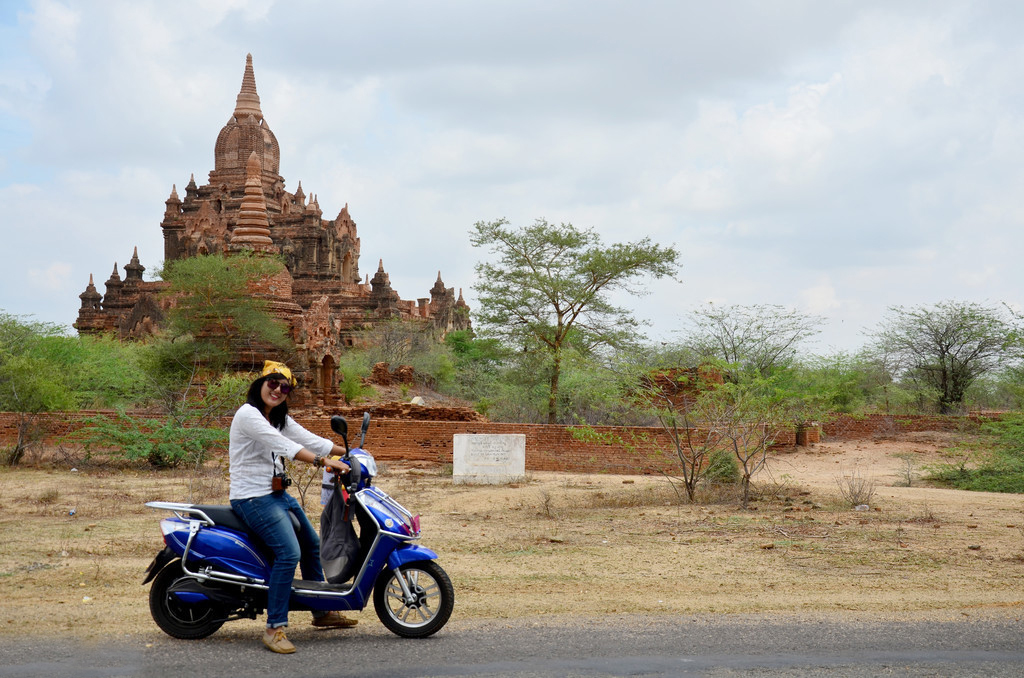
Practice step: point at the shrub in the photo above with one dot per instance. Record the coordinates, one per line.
(161, 442)
(855, 489)
(722, 467)
(352, 368)
(1000, 469)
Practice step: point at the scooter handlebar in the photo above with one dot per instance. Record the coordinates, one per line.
(355, 473)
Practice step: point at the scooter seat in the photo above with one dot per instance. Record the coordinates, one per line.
(224, 516)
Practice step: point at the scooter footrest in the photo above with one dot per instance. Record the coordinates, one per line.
(309, 585)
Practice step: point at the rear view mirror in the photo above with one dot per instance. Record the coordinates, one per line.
(340, 426)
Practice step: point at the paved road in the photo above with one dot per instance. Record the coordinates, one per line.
(749, 646)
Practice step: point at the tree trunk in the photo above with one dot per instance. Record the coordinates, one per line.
(556, 367)
(22, 442)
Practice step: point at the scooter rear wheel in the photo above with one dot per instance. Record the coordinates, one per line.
(176, 617)
(433, 599)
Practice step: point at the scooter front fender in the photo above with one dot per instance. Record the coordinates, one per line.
(408, 553)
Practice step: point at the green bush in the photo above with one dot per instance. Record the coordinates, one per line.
(352, 368)
(161, 442)
(999, 469)
(722, 467)
(1001, 474)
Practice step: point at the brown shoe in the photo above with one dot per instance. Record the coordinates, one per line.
(276, 641)
(334, 620)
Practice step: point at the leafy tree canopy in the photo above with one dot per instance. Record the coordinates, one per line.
(29, 382)
(215, 311)
(947, 346)
(552, 283)
(754, 339)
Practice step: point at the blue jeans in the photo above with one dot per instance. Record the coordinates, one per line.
(267, 516)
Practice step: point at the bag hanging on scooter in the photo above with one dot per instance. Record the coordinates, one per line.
(339, 545)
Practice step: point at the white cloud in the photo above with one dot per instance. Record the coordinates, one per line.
(820, 298)
(839, 156)
(55, 30)
(54, 278)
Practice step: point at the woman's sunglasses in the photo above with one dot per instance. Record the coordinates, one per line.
(274, 384)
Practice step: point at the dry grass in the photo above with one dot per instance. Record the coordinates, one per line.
(554, 544)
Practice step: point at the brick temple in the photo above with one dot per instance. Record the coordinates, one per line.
(322, 296)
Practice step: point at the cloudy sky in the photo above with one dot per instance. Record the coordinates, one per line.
(833, 157)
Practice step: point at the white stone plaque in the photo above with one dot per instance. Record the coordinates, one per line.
(488, 459)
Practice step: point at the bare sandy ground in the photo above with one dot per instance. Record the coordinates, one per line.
(599, 544)
(561, 545)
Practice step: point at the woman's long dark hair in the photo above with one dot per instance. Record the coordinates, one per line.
(279, 414)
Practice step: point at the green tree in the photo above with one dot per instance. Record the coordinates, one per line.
(43, 369)
(756, 339)
(591, 393)
(29, 384)
(186, 433)
(706, 419)
(748, 418)
(1003, 390)
(215, 314)
(98, 371)
(163, 442)
(404, 342)
(946, 347)
(396, 341)
(683, 404)
(836, 379)
(215, 323)
(553, 284)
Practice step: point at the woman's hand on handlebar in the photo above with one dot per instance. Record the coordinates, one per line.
(336, 465)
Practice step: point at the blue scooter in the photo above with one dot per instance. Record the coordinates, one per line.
(213, 570)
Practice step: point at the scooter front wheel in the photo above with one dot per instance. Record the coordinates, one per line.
(430, 606)
(175, 616)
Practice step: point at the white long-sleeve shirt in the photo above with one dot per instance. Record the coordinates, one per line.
(255, 448)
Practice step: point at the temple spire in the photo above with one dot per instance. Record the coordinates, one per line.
(252, 230)
(90, 298)
(248, 101)
(134, 268)
(173, 204)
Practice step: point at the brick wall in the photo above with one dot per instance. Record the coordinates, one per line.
(848, 427)
(548, 447)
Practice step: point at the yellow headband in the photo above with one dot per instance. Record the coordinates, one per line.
(272, 367)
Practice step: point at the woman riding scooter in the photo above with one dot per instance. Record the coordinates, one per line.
(261, 435)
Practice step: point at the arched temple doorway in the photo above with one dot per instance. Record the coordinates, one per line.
(328, 379)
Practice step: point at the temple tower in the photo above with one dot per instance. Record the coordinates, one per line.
(247, 132)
